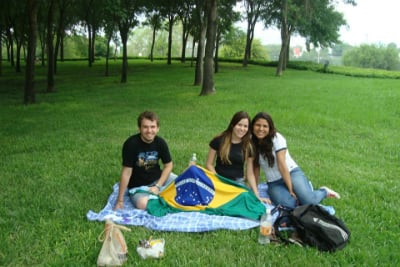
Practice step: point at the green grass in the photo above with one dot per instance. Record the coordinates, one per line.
(60, 157)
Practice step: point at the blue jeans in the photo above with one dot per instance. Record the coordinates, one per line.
(279, 193)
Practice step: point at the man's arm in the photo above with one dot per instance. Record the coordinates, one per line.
(123, 184)
(167, 169)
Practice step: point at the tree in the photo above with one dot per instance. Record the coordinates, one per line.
(64, 17)
(42, 33)
(126, 20)
(1, 50)
(185, 14)
(208, 78)
(2, 27)
(154, 20)
(321, 27)
(200, 36)
(254, 10)
(17, 20)
(285, 37)
(170, 9)
(110, 27)
(6, 13)
(372, 56)
(233, 42)
(317, 21)
(29, 95)
(225, 19)
(50, 46)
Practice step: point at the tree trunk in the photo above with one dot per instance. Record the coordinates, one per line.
(170, 27)
(185, 35)
(1, 53)
(108, 53)
(59, 36)
(62, 48)
(201, 16)
(153, 41)
(208, 78)
(89, 29)
(29, 95)
(92, 48)
(199, 58)
(124, 75)
(249, 40)
(287, 51)
(193, 47)
(56, 49)
(216, 61)
(43, 50)
(18, 57)
(284, 38)
(124, 30)
(50, 49)
(10, 47)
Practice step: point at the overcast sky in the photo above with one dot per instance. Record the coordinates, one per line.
(371, 21)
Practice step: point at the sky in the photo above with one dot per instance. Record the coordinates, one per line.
(370, 22)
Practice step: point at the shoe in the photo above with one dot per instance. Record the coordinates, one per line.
(330, 192)
(295, 239)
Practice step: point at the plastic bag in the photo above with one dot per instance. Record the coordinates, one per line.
(151, 248)
(114, 250)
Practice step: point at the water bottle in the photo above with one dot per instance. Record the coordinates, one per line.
(264, 236)
(193, 160)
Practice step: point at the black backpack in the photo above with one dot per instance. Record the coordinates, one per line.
(312, 226)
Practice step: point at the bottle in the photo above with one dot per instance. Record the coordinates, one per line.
(264, 236)
(193, 160)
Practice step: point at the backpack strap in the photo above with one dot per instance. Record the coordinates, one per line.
(283, 223)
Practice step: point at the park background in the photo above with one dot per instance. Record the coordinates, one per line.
(61, 156)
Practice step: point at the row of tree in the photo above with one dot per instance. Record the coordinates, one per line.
(373, 57)
(44, 24)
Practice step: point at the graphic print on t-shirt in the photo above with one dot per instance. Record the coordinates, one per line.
(147, 159)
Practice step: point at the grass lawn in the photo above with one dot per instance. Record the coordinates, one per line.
(60, 157)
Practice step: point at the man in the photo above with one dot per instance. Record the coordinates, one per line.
(140, 161)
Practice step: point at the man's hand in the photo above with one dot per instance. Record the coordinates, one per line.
(119, 205)
(154, 189)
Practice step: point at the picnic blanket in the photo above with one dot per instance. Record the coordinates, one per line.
(178, 222)
(187, 221)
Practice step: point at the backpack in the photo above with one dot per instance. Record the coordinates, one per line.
(312, 226)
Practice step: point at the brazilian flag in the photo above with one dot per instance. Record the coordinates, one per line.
(198, 189)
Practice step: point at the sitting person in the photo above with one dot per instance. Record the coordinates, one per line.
(140, 162)
(287, 184)
(231, 150)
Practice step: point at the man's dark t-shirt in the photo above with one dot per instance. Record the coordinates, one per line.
(143, 158)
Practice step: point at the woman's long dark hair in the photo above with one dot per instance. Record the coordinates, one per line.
(264, 146)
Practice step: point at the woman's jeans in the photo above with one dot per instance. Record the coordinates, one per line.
(279, 193)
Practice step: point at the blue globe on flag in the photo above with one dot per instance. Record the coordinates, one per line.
(194, 188)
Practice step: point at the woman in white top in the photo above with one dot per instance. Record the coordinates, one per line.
(287, 184)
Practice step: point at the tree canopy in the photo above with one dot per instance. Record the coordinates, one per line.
(114, 20)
